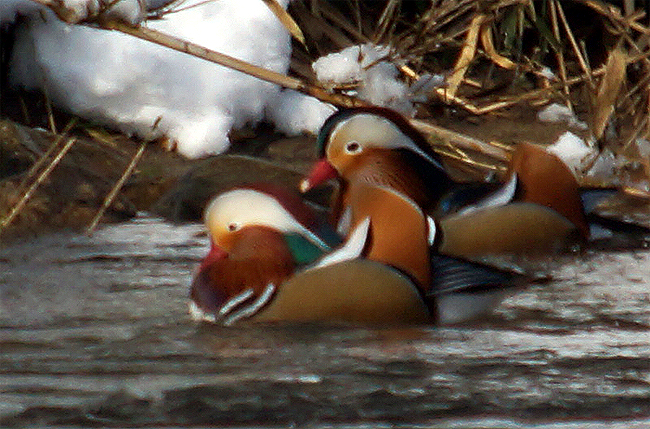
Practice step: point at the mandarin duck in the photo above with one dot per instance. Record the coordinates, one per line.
(400, 234)
(539, 186)
(376, 145)
(261, 268)
(536, 210)
(381, 274)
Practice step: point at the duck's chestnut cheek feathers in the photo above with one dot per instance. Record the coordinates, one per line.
(207, 298)
(203, 294)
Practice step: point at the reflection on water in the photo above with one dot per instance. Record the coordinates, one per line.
(95, 333)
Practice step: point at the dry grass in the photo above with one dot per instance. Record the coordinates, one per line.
(496, 55)
(478, 45)
(485, 48)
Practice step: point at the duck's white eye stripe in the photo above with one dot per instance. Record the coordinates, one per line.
(260, 302)
(382, 131)
(250, 207)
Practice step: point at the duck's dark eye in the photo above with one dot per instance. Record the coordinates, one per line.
(352, 147)
(233, 227)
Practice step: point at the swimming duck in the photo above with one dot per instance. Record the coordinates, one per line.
(400, 234)
(376, 145)
(536, 209)
(381, 274)
(261, 246)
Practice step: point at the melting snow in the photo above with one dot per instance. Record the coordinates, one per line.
(559, 113)
(573, 150)
(150, 91)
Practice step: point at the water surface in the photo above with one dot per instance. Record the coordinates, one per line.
(95, 333)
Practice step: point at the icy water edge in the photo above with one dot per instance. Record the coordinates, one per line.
(95, 333)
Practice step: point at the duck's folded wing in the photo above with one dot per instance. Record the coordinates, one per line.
(454, 275)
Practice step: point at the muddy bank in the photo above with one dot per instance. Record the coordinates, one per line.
(163, 182)
(167, 185)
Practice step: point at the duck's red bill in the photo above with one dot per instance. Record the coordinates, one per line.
(321, 172)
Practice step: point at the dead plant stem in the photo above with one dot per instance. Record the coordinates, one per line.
(33, 170)
(574, 44)
(118, 186)
(15, 210)
(234, 63)
(558, 53)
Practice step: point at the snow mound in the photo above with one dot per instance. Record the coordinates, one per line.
(151, 91)
(365, 64)
(294, 113)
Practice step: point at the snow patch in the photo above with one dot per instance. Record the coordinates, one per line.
(151, 91)
(366, 65)
(560, 113)
(547, 73)
(294, 113)
(573, 150)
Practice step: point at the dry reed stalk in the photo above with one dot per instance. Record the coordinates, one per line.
(466, 56)
(50, 114)
(386, 20)
(502, 146)
(583, 63)
(24, 110)
(641, 85)
(442, 16)
(466, 161)
(33, 170)
(558, 52)
(460, 140)
(615, 16)
(444, 95)
(530, 95)
(235, 64)
(610, 87)
(488, 44)
(332, 15)
(636, 192)
(15, 210)
(641, 127)
(116, 188)
(286, 20)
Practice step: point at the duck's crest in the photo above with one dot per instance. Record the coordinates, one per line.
(400, 122)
